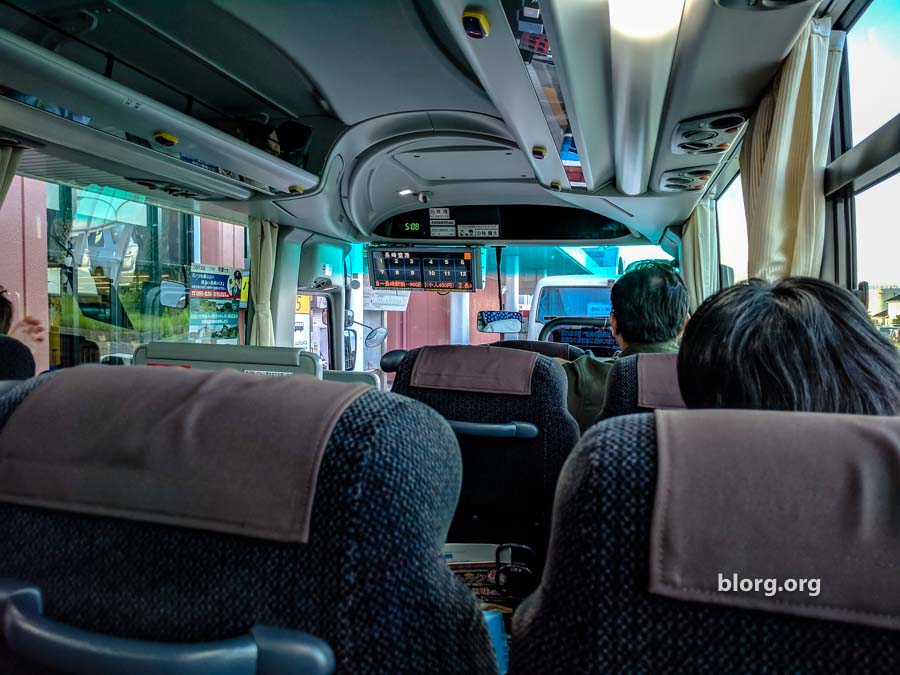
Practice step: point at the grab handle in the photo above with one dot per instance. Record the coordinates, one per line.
(507, 430)
(264, 651)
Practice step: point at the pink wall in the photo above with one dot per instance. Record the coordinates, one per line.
(23, 254)
(221, 243)
(426, 320)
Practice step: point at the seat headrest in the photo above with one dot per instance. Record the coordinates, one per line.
(488, 370)
(760, 495)
(16, 360)
(215, 450)
(558, 350)
(658, 381)
(390, 362)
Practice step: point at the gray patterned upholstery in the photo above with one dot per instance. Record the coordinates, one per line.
(622, 389)
(508, 484)
(371, 581)
(593, 613)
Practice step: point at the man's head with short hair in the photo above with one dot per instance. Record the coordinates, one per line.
(649, 304)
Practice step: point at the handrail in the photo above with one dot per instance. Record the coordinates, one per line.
(265, 650)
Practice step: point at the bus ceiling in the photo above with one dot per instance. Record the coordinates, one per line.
(343, 137)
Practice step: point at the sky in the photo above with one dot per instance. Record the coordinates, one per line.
(873, 46)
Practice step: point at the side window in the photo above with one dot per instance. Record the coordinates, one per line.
(873, 59)
(873, 55)
(877, 237)
(120, 272)
(733, 244)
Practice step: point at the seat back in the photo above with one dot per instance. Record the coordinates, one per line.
(366, 377)
(277, 361)
(364, 574)
(642, 383)
(735, 492)
(558, 350)
(513, 444)
(16, 360)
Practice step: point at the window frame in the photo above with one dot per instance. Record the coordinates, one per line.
(851, 169)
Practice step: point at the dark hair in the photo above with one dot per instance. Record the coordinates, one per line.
(801, 344)
(6, 312)
(650, 302)
(16, 361)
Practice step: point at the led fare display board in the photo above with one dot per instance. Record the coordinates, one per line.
(415, 269)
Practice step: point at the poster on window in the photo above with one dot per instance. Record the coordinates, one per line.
(215, 299)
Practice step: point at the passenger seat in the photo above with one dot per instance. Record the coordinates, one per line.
(642, 383)
(171, 505)
(658, 514)
(508, 408)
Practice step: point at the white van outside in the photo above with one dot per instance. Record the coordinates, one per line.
(568, 295)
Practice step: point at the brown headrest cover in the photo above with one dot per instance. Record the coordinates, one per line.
(215, 450)
(658, 381)
(489, 370)
(783, 496)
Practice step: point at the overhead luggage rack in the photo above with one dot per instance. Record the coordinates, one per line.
(59, 104)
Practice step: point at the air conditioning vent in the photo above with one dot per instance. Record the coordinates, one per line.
(708, 135)
(763, 5)
(690, 178)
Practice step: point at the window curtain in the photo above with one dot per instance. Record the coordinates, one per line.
(263, 238)
(9, 160)
(783, 158)
(700, 254)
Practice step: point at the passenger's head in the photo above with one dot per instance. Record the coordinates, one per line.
(649, 304)
(16, 360)
(6, 312)
(801, 344)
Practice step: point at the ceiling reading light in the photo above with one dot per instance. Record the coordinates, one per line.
(406, 192)
(645, 19)
(643, 34)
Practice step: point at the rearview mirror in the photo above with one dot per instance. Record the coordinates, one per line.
(172, 294)
(375, 337)
(500, 322)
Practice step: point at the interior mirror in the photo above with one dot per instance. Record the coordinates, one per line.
(375, 337)
(500, 322)
(172, 294)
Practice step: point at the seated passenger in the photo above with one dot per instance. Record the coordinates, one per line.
(16, 361)
(28, 331)
(649, 311)
(801, 344)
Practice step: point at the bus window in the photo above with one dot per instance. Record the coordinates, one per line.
(873, 55)
(119, 273)
(732, 221)
(876, 233)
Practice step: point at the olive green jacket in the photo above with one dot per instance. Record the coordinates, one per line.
(587, 375)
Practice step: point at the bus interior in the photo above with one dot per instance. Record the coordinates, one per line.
(311, 275)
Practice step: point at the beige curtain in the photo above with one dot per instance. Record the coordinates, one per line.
(263, 238)
(9, 160)
(783, 159)
(700, 254)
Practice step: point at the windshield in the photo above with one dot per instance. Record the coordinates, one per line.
(572, 301)
(415, 318)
